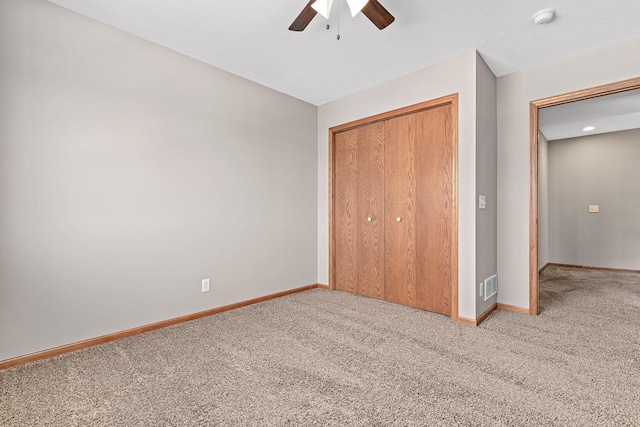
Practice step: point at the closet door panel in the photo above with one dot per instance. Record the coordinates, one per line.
(370, 242)
(400, 196)
(345, 210)
(434, 186)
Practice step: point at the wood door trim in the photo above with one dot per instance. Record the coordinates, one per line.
(332, 237)
(454, 207)
(434, 103)
(534, 110)
(68, 348)
(533, 210)
(404, 111)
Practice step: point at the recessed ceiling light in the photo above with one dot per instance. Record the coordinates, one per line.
(588, 128)
(544, 16)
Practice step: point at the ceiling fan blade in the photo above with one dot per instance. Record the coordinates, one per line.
(307, 14)
(378, 14)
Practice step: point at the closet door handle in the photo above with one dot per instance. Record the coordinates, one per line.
(369, 219)
(398, 219)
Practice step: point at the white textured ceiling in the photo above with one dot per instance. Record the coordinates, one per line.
(250, 38)
(609, 113)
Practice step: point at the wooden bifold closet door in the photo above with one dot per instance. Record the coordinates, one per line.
(393, 207)
(359, 210)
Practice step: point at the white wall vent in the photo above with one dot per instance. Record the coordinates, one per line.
(490, 287)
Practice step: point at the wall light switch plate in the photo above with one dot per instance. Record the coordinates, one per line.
(594, 208)
(206, 285)
(482, 202)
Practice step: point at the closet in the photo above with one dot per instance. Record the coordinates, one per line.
(393, 206)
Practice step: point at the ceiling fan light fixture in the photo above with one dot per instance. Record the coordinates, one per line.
(371, 9)
(355, 6)
(323, 7)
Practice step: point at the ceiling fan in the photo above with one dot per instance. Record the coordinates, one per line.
(371, 9)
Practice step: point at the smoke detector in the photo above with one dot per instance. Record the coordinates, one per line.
(544, 16)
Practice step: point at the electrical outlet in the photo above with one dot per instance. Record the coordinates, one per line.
(206, 285)
(481, 287)
(594, 208)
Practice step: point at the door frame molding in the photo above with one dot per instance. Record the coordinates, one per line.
(534, 110)
(434, 103)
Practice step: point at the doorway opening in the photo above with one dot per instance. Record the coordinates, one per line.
(534, 108)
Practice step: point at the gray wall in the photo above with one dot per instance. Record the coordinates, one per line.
(515, 92)
(543, 201)
(456, 75)
(595, 170)
(128, 173)
(486, 180)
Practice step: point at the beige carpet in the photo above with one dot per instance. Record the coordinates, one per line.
(331, 358)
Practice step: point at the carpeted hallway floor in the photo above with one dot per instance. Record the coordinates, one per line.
(331, 358)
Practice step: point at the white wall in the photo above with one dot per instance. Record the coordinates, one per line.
(129, 172)
(454, 76)
(515, 91)
(543, 201)
(595, 170)
(486, 181)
